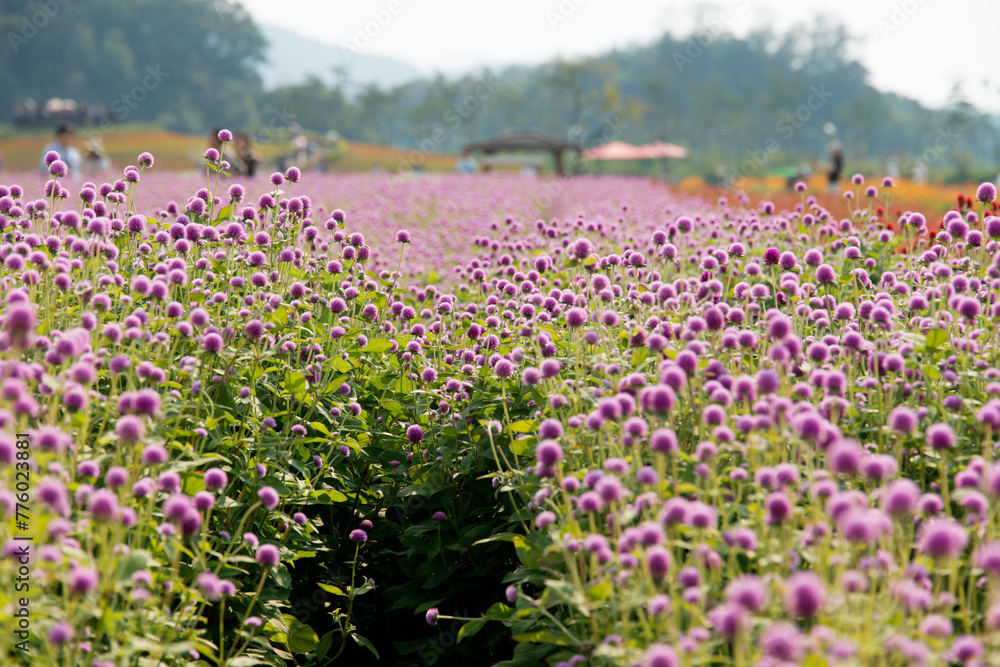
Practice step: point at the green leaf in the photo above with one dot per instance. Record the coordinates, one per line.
(377, 345)
(225, 212)
(325, 644)
(135, 561)
(936, 338)
(295, 382)
(470, 629)
(332, 589)
(301, 637)
(523, 426)
(329, 496)
(542, 637)
(361, 641)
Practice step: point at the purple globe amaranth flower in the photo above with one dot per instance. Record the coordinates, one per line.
(414, 433)
(130, 429)
(660, 655)
(60, 633)
(359, 535)
(825, 274)
(902, 420)
(986, 193)
(268, 555)
(942, 538)
(402, 236)
(805, 594)
(548, 452)
(748, 590)
(729, 619)
(772, 256)
(269, 497)
(659, 561)
(940, 436)
(576, 317)
(432, 616)
(82, 580)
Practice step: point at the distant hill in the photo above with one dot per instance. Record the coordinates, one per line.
(292, 59)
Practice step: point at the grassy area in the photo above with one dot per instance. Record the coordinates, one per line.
(21, 150)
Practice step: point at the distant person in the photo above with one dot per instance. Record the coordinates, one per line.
(95, 160)
(63, 145)
(467, 164)
(248, 161)
(834, 169)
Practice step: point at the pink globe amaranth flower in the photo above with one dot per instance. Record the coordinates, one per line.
(805, 594)
(414, 433)
(82, 580)
(216, 479)
(359, 535)
(103, 505)
(729, 619)
(225, 135)
(825, 274)
(986, 193)
(748, 590)
(19, 324)
(60, 633)
(548, 452)
(268, 555)
(269, 497)
(942, 538)
(576, 317)
(902, 420)
(659, 561)
(660, 655)
(130, 429)
(402, 236)
(940, 436)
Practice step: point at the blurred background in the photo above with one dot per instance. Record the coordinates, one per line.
(755, 93)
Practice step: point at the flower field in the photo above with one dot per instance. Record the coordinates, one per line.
(459, 420)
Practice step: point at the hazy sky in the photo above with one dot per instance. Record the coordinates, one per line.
(918, 48)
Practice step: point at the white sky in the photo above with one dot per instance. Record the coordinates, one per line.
(918, 48)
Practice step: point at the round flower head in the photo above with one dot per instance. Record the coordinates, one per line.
(402, 236)
(942, 538)
(130, 429)
(432, 616)
(660, 655)
(940, 436)
(749, 591)
(359, 535)
(986, 193)
(268, 555)
(269, 497)
(215, 479)
(225, 135)
(805, 594)
(825, 274)
(902, 420)
(414, 433)
(548, 452)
